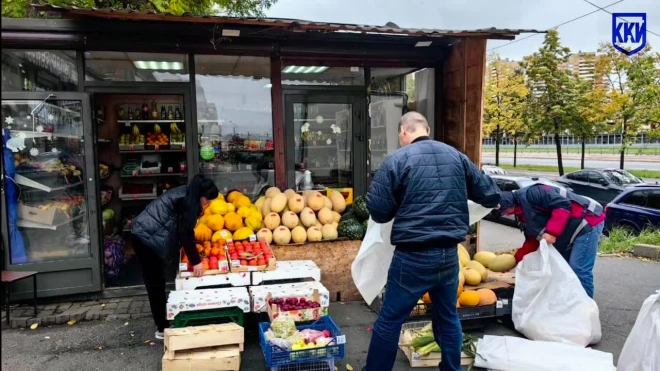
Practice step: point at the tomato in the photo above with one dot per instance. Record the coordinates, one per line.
(233, 256)
(207, 251)
(262, 244)
(215, 251)
(213, 263)
(261, 262)
(252, 263)
(200, 248)
(244, 262)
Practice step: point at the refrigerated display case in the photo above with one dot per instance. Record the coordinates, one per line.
(49, 198)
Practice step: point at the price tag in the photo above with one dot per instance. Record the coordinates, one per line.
(156, 148)
(235, 263)
(248, 167)
(131, 147)
(183, 267)
(415, 357)
(135, 173)
(252, 269)
(228, 170)
(210, 167)
(341, 339)
(147, 172)
(128, 223)
(170, 170)
(253, 238)
(505, 301)
(183, 148)
(135, 197)
(127, 124)
(499, 304)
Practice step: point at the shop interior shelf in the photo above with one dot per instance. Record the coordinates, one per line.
(139, 199)
(180, 175)
(147, 121)
(180, 150)
(25, 181)
(29, 224)
(35, 135)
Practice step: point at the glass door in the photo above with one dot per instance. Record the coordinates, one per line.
(385, 111)
(325, 142)
(48, 187)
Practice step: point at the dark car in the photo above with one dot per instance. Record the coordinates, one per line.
(634, 209)
(513, 183)
(603, 185)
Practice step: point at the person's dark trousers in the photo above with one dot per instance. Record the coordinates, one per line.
(412, 274)
(153, 271)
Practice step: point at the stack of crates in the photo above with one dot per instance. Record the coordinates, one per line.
(204, 348)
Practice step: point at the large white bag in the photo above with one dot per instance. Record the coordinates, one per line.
(506, 353)
(641, 352)
(372, 263)
(549, 303)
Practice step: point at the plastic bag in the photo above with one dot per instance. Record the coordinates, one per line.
(372, 263)
(506, 353)
(282, 327)
(641, 352)
(549, 303)
(311, 335)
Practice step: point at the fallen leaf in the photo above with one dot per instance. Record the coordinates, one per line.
(349, 367)
(46, 337)
(336, 369)
(72, 322)
(102, 305)
(369, 329)
(147, 341)
(98, 347)
(132, 335)
(152, 343)
(34, 326)
(126, 324)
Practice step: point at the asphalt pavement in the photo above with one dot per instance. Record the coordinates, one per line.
(622, 284)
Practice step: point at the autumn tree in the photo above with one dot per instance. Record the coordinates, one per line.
(505, 98)
(551, 89)
(237, 8)
(633, 95)
(589, 114)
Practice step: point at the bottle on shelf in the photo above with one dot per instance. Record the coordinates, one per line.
(136, 114)
(170, 113)
(145, 111)
(100, 111)
(130, 113)
(163, 113)
(154, 110)
(177, 114)
(120, 113)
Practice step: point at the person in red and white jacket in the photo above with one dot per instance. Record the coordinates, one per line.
(570, 222)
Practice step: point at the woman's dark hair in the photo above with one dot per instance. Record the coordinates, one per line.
(198, 187)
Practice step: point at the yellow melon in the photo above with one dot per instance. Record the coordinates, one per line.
(460, 290)
(338, 202)
(463, 256)
(290, 220)
(233, 222)
(325, 216)
(290, 193)
(502, 263)
(272, 221)
(282, 235)
(486, 297)
(461, 277)
(296, 203)
(484, 257)
(327, 203)
(215, 222)
(272, 191)
(315, 201)
(233, 196)
(266, 235)
(308, 217)
(336, 217)
(278, 202)
(479, 268)
(298, 235)
(314, 234)
(218, 207)
(472, 276)
(329, 232)
(260, 202)
(265, 209)
(468, 298)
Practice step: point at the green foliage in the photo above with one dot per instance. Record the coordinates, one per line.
(622, 241)
(235, 8)
(505, 97)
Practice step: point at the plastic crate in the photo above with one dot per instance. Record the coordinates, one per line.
(276, 356)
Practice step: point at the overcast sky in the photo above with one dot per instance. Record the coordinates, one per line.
(584, 34)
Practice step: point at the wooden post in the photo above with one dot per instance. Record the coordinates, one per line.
(278, 121)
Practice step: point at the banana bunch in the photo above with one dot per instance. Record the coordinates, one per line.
(174, 128)
(136, 131)
(157, 129)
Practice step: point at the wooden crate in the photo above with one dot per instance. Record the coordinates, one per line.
(190, 338)
(430, 360)
(223, 358)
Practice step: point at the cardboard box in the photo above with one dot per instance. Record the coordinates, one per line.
(298, 315)
(49, 216)
(224, 358)
(429, 360)
(191, 300)
(258, 294)
(188, 338)
(235, 265)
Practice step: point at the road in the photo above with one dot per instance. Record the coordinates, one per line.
(551, 161)
(621, 287)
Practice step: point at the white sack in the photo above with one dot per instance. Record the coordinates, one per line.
(550, 304)
(507, 353)
(372, 263)
(641, 352)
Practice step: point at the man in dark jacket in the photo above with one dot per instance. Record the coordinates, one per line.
(424, 186)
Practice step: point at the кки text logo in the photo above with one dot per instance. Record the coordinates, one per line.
(629, 32)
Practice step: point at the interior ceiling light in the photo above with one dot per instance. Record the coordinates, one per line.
(158, 65)
(231, 33)
(423, 44)
(304, 69)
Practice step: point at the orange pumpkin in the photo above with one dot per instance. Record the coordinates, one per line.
(426, 298)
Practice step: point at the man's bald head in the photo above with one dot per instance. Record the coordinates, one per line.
(412, 126)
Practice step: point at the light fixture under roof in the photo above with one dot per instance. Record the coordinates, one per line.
(421, 44)
(158, 65)
(304, 69)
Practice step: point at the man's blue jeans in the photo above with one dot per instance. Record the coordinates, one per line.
(412, 274)
(583, 257)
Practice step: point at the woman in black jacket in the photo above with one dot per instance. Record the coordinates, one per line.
(166, 224)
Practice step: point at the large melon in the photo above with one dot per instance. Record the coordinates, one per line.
(299, 235)
(479, 268)
(278, 202)
(272, 191)
(327, 203)
(338, 202)
(296, 203)
(461, 278)
(308, 217)
(290, 193)
(325, 216)
(289, 219)
(282, 235)
(265, 234)
(463, 256)
(502, 263)
(484, 257)
(329, 232)
(315, 201)
(314, 234)
(468, 298)
(272, 221)
(472, 276)
(486, 297)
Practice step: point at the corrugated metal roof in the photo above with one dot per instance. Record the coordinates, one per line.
(294, 25)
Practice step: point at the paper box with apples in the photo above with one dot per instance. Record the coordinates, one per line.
(296, 308)
(258, 294)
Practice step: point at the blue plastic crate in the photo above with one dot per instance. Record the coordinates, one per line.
(276, 356)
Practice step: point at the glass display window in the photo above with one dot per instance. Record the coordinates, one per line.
(39, 70)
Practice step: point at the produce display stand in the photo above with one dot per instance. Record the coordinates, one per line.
(188, 282)
(417, 360)
(258, 294)
(208, 304)
(288, 270)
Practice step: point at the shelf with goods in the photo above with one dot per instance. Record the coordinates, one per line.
(384, 138)
(142, 140)
(44, 184)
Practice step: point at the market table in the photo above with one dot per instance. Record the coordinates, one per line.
(9, 277)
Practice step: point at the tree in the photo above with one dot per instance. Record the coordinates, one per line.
(505, 98)
(589, 115)
(237, 8)
(552, 91)
(633, 96)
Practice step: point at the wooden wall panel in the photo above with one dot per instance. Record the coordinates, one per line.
(278, 121)
(453, 122)
(475, 77)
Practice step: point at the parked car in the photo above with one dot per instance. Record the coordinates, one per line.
(634, 209)
(492, 170)
(603, 185)
(514, 183)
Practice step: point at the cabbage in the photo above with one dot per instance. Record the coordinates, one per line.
(108, 214)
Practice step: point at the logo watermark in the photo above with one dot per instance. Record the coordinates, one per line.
(629, 32)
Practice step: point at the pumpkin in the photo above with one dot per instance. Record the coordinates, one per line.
(426, 298)
(243, 211)
(222, 234)
(468, 299)
(218, 207)
(253, 222)
(215, 222)
(242, 201)
(243, 234)
(202, 233)
(486, 297)
(233, 196)
(233, 222)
